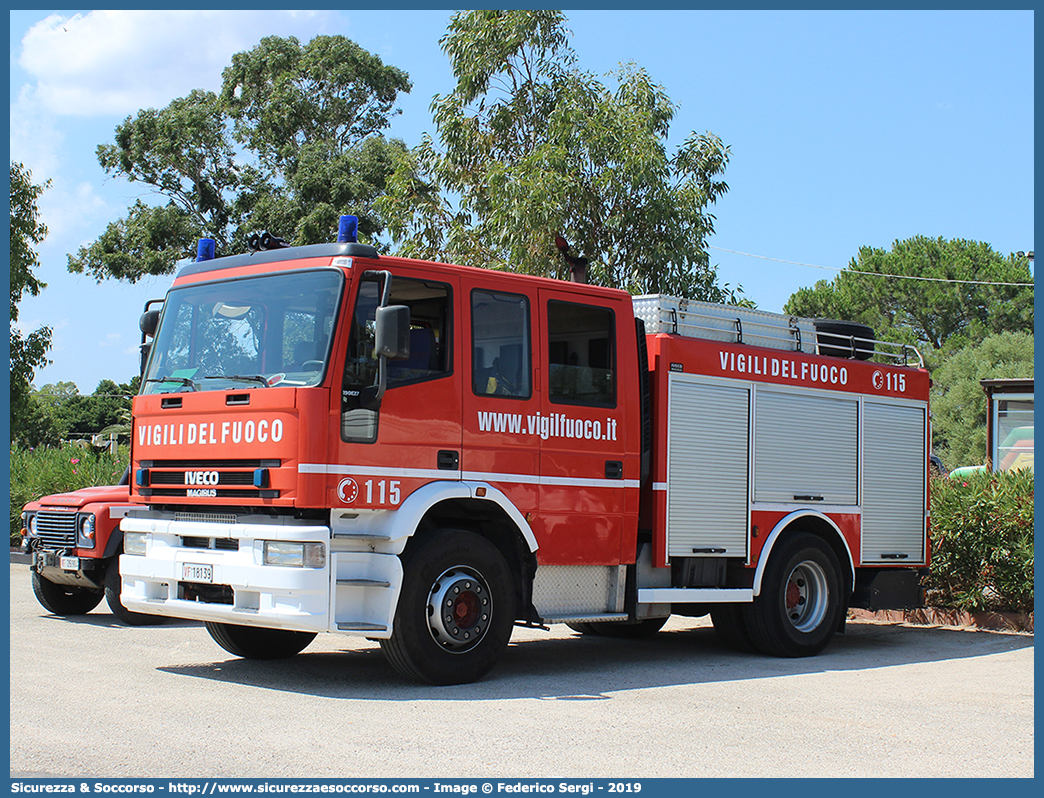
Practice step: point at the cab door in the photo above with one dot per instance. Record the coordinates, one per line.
(584, 468)
(386, 451)
(501, 432)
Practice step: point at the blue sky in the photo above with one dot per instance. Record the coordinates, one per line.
(847, 129)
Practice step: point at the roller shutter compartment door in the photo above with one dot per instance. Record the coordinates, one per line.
(806, 449)
(894, 474)
(708, 433)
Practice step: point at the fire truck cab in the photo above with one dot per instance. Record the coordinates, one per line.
(333, 440)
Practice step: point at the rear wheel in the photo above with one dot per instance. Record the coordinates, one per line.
(113, 586)
(253, 642)
(455, 612)
(731, 627)
(64, 599)
(801, 603)
(619, 629)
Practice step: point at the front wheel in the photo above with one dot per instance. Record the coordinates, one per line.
(801, 603)
(113, 587)
(455, 612)
(64, 599)
(255, 642)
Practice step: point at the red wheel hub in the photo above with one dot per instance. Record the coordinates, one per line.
(793, 595)
(466, 609)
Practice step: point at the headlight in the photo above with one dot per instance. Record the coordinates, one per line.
(30, 524)
(299, 555)
(85, 532)
(135, 542)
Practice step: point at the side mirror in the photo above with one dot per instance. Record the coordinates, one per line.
(392, 332)
(149, 321)
(144, 359)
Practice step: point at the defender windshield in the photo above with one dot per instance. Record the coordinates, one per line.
(255, 332)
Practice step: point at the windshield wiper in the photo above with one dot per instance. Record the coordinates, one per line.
(179, 380)
(239, 378)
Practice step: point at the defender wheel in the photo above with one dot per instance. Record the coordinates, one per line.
(64, 599)
(800, 605)
(731, 627)
(254, 642)
(113, 586)
(456, 609)
(619, 629)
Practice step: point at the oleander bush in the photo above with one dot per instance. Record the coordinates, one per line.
(41, 472)
(982, 542)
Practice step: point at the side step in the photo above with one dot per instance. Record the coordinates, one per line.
(360, 626)
(608, 616)
(357, 536)
(363, 583)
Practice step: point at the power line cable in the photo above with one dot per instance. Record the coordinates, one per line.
(869, 274)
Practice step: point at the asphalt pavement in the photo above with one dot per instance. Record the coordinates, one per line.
(90, 697)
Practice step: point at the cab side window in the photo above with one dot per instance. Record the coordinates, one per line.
(429, 305)
(581, 354)
(429, 358)
(501, 359)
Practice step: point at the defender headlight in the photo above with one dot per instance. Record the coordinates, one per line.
(135, 542)
(299, 555)
(85, 532)
(30, 524)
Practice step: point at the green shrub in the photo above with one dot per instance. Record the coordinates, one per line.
(40, 472)
(982, 542)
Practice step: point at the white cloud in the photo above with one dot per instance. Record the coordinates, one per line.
(70, 211)
(35, 140)
(112, 339)
(116, 62)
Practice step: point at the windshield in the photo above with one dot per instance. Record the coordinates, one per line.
(255, 332)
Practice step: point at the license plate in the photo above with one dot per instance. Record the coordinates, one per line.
(191, 572)
(69, 563)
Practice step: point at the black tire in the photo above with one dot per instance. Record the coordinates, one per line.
(849, 339)
(620, 629)
(468, 577)
(801, 601)
(64, 599)
(731, 627)
(583, 627)
(254, 642)
(113, 585)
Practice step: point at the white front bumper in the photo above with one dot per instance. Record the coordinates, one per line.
(355, 592)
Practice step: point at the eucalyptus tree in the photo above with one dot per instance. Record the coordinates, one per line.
(28, 352)
(530, 146)
(293, 139)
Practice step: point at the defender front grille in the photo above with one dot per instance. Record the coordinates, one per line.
(56, 530)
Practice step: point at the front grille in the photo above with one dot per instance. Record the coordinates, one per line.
(209, 464)
(224, 478)
(209, 479)
(206, 518)
(56, 530)
(210, 543)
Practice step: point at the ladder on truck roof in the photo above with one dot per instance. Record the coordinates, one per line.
(734, 324)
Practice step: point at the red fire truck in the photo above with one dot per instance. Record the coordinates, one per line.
(333, 440)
